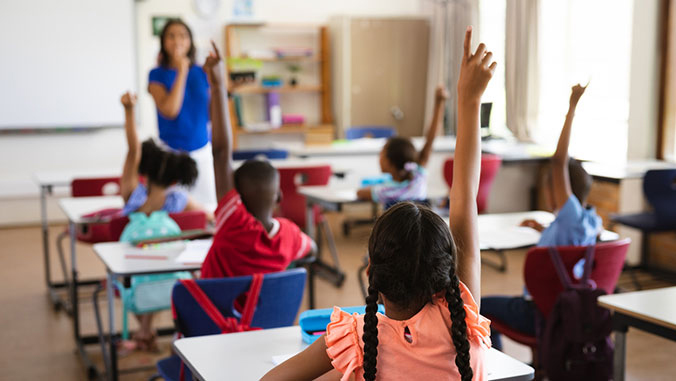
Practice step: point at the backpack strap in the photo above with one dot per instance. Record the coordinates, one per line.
(588, 262)
(207, 305)
(252, 300)
(560, 268)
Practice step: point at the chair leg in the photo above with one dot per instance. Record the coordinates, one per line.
(501, 265)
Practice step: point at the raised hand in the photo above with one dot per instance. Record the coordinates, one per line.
(576, 93)
(211, 65)
(441, 93)
(476, 70)
(128, 100)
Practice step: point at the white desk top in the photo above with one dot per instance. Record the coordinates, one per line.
(364, 146)
(655, 306)
(64, 178)
(633, 169)
(75, 207)
(248, 355)
(122, 258)
(344, 195)
(501, 231)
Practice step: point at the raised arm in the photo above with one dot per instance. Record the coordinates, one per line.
(129, 179)
(440, 97)
(221, 135)
(475, 72)
(560, 176)
(169, 103)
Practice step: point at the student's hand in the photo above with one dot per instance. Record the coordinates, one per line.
(441, 94)
(533, 225)
(211, 65)
(476, 71)
(128, 100)
(576, 93)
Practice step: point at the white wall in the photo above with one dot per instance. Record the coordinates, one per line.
(22, 155)
(644, 85)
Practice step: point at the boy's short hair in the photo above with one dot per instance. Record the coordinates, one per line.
(580, 180)
(255, 172)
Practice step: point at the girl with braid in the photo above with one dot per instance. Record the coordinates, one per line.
(425, 274)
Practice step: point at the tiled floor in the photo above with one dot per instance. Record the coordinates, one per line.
(37, 342)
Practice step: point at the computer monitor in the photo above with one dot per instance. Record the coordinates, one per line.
(485, 118)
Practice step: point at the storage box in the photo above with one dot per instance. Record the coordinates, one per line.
(313, 322)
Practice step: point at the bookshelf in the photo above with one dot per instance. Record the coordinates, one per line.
(310, 97)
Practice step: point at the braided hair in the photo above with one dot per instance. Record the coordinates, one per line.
(412, 258)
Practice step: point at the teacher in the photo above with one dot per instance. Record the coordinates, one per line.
(181, 93)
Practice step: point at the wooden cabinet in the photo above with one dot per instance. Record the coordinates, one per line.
(380, 72)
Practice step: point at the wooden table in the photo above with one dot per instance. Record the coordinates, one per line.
(652, 311)
(248, 355)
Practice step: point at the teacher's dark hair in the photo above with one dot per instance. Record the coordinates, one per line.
(164, 56)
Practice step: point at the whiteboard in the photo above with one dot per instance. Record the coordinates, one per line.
(65, 63)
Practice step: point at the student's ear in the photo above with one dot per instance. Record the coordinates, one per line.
(279, 197)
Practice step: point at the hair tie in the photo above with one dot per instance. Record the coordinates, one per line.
(411, 166)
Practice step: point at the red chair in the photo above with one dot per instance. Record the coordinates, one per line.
(187, 220)
(490, 164)
(294, 206)
(544, 285)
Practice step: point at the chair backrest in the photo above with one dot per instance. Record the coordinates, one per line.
(252, 154)
(100, 186)
(358, 132)
(490, 165)
(659, 187)
(278, 303)
(543, 283)
(293, 203)
(187, 220)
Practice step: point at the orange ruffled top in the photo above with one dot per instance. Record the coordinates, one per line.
(430, 354)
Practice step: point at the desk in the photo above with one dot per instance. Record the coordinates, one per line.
(47, 181)
(248, 355)
(652, 311)
(74, 208)
(113, 256)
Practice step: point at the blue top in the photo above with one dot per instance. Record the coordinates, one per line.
(175, 200)
(407, 190)
(188, 131)
(573, 226)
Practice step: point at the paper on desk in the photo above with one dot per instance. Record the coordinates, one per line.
(194, 252)
(281, 358)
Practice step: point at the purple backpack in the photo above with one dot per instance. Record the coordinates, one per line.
(575, 342)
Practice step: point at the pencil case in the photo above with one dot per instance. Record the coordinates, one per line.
(376, 180)
(313, 322)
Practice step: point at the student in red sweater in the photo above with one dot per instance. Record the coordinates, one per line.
(248, 239)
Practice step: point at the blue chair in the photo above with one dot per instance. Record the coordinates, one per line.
(659, 188)
(359, 132)
(278, 305)
(252, 154)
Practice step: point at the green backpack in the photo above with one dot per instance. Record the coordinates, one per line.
(148, 293)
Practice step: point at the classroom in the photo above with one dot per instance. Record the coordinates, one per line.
(305, 190)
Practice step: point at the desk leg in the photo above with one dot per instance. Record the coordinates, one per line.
(56, 301)
(333, 274)
(74, 283)
(310, 220)
(112, 350)
(619, 358)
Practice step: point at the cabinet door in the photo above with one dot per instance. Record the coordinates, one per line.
(389, 73)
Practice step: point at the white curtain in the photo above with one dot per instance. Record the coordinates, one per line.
(449, 20)
(521, 66)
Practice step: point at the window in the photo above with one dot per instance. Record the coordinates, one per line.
(583, 41)
(492, 33)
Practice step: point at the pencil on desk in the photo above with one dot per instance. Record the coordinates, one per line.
(141, 256)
